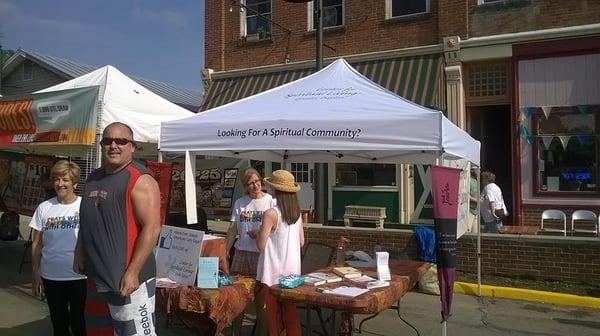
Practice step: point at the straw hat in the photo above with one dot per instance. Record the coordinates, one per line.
(282, 180)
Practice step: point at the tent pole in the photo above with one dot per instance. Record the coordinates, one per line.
(477, 222)
(444, 328)
(160, 156)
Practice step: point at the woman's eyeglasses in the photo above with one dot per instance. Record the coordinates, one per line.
(257, 182)
(118, 141)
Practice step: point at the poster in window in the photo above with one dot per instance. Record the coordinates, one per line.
(33, 193)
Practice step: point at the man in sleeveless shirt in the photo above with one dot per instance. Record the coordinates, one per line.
(119, 227)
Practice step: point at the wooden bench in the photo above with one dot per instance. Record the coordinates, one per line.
(363, 213)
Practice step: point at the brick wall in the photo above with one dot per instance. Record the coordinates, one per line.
(366, 30)
(524, 15)
(571, 259)
(532, 214)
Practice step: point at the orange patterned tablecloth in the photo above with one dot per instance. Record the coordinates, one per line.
(405, 275)
(207, 311)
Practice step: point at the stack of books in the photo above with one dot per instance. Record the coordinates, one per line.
(347, 272)
(368, 282)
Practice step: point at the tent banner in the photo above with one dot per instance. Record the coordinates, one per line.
(161, 171)
(445, 189)
(59, 117)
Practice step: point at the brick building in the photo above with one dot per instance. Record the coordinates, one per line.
(522, 76)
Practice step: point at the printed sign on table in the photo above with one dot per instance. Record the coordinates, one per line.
(177, 254)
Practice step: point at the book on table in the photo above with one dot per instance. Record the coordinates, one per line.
(348, 291)
(347, 272)
(310, 280)
(323, 276)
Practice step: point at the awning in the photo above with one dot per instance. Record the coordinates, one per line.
(418, 78)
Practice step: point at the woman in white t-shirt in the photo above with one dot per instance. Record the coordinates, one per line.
(280, 239)
(246, 217)
(55, 225)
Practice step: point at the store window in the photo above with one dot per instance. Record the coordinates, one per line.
(398, 8)
(567, 150)
(333, 14)
(256, 19)
(365, 174)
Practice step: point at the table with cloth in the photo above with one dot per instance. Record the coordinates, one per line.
(405, 275)
(208, 311)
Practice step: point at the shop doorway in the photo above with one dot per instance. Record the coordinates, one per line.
(491, 126)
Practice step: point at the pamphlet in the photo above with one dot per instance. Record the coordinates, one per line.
(347, 272)
(346, 291)
(383, 266)
(208, 272)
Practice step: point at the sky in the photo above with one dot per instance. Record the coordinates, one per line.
(162, 40)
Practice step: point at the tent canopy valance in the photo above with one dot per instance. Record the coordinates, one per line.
(334, 115)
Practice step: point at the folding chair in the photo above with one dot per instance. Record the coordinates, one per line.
(316, 256)
(554, 215)
(590, 222)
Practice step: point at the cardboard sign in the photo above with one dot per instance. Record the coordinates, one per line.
(177, 254)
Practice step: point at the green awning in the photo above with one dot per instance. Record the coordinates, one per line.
(418, 78)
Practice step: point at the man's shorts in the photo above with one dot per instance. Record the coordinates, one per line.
(112, 314)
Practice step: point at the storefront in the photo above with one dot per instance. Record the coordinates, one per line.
(558, 124)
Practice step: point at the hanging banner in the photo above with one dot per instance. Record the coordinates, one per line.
(547, 140)
(564, 140)
(444, 190)
(547, 110)
(161, 171)
(60, 117)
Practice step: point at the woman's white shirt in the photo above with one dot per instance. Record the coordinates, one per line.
(59, 224)
(247, 215)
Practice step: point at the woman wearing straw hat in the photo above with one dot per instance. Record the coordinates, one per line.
(279, 240)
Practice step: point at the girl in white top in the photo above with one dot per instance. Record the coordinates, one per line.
(55, 225)
(246, 217)
(280, 239)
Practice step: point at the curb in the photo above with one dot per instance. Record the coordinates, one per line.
(528, 295)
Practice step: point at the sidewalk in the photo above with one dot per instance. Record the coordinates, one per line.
(21, 314)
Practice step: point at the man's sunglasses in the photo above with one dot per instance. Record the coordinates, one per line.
(118, 141)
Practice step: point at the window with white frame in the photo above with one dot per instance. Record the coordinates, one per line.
(333, 14)
(256, 19)
(399, 8)
(365, 174)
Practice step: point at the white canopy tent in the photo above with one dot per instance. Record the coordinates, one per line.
(334, 115)
(124, 100)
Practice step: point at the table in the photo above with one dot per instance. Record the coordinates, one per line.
(405, 275)
(519, 229)
(207, 311)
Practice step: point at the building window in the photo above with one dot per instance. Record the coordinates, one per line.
(333, 14)
(488, 82)
(567, 150)
(256, 19)
(27, 70)
(481, 2)
(365, 174)
(398, 8)
(300, 172)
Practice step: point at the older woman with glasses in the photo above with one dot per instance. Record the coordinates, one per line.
(55, 225)
(246, 218)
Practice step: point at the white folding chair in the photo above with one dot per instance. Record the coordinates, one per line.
(554, 215)
(591, 221)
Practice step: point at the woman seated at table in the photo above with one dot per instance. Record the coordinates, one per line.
(279, 240)
(246, 217)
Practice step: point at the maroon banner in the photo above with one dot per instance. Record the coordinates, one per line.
(161, 171)
(444, 189)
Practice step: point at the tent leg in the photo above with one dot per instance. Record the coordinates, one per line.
(477, 222)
